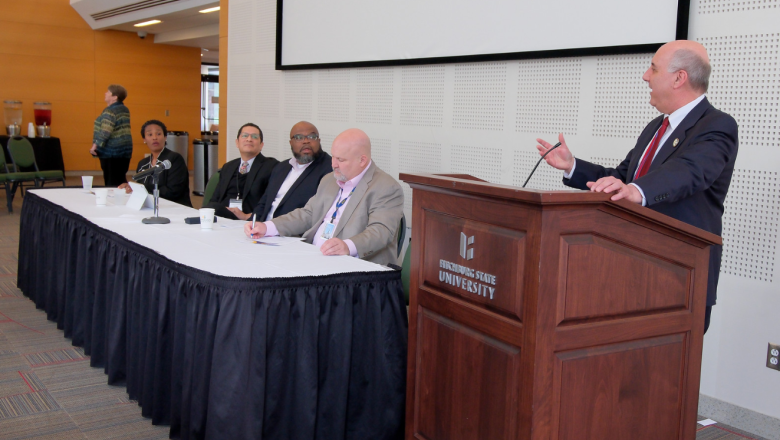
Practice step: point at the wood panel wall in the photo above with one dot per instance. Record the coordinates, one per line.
(48, 53)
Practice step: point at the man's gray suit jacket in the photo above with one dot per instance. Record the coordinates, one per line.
(370, 218)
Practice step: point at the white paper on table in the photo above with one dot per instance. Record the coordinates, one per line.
(231, 224)
(138, 197)
(706, 422)
(274, 241)
(282, 240)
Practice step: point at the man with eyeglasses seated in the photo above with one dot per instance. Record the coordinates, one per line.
(293, 182)
(356, 211)
(242, 181)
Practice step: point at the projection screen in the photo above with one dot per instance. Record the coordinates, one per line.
(352, 33)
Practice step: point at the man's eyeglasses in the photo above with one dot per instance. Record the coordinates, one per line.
(248, 135)
(300, 137)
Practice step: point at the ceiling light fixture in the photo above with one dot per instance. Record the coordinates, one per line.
(206, 11)
(147, 23)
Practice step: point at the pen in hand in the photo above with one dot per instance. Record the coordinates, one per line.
(254, 218)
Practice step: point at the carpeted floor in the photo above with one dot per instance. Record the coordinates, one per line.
(49, 391)
(47, 388)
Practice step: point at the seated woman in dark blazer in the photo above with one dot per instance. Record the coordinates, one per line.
(174, 183)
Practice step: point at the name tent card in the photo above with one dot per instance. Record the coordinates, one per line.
(140, 198)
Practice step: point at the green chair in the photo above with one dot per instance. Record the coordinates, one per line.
(405, 269)
(401, 236)
(11, 181)
(210, 187)
(23, 156)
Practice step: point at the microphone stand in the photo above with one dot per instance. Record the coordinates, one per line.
(156, 220)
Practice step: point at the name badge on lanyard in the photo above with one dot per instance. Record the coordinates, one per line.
(237, 202)
(327, 233)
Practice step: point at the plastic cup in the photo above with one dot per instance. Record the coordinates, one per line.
(119, 196)
(101, 196)
(86, 181)
(206, 218)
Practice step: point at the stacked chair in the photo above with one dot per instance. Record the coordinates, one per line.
(23, 157)
(13, 180)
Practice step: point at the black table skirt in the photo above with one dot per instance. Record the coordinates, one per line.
(219, 357)
(48, 152)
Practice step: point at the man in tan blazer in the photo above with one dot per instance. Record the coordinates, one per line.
(356, 210)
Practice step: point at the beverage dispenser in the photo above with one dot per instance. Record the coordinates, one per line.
(42, 111)
(13, 117)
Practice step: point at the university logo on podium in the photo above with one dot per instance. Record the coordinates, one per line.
(465, 242)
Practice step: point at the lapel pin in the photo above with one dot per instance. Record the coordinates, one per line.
(676, 141)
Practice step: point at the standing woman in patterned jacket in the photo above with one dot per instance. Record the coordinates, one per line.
(112, 141)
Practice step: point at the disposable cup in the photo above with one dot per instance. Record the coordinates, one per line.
(119, 196)
(101, 195)
(206, 218)
(86, 181)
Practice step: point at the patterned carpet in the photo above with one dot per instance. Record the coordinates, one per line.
(49, 391)
(47, 388)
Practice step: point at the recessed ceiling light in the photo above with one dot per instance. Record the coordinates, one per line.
(147, 23)
(206, 11)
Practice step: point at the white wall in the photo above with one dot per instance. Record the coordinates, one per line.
(483, 118)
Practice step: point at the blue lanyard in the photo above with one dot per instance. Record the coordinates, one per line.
(340, 203)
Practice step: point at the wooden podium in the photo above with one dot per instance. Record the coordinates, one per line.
(551, 315)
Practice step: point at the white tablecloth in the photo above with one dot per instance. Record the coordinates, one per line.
(224, 250)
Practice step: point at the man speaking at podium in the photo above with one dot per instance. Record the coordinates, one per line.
(683, 160)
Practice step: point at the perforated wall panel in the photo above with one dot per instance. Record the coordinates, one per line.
(333, 95)
(750, 225)
(266, 26)
(744, 84)
(417, 157)
(241, 25)
(422, 96)
(326, 141)
(382, 154)
(479, 96)
(726, 6)
(298, 95)
(240, 100)
(374, 98)
(548, 96)
(621, 107)
(268, 86)
(271, 147)
(482, 162)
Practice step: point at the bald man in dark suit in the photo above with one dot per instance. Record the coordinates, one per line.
(682, 163)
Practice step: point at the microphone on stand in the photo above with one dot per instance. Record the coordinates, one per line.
(158, 168)
(155, 172)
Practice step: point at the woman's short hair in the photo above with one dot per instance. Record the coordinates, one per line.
(118, 91)
(153, 122)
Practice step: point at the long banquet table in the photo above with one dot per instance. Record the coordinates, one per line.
(217, 336)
